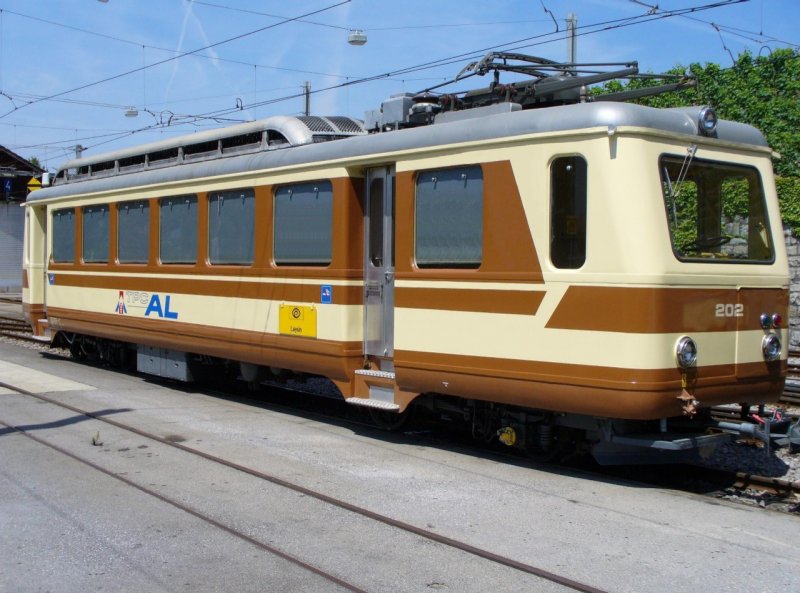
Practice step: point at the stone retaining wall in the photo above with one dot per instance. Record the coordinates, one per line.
(793, 251)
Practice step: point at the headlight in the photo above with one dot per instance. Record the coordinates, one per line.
(771, 347)
(686, 352)
(707, 120)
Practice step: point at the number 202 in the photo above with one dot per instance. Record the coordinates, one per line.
(729, 310)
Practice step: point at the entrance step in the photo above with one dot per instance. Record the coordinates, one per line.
(375, 389)
(388, 375)
(373, 403)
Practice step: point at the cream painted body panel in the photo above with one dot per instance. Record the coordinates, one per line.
(517, 337)
(627, 244)
(334, 322)
(34, 255)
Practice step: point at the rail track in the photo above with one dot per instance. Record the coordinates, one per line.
(273, 479)
(791, 392)
(195, 513)
(774, 486)
(14, 327)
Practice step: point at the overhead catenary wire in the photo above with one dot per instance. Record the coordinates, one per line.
(589, 29)
(519, 44)
(181, 55)
(162, 49)
(752, 36)
(586, 30)
(395, 28)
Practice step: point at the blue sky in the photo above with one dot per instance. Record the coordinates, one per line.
(69, 69)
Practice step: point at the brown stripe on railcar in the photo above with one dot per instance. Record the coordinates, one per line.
(267, 291)
(511, 302)
(334, 359)
(665, 310)
(582, 389)
(509, 254)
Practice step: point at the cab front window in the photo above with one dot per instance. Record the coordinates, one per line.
(716, 212)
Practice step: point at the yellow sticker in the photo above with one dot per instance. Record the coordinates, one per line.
(298, 320)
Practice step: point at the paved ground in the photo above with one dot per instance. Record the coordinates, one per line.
(66, 527)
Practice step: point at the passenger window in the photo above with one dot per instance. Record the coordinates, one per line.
(133, 232)
(178, 230)
(568, 212)
(303, 224)
(231, 220)
(448, 218)
(64, 235)
(95, 233)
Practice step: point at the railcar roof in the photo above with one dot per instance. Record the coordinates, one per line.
(474, 125)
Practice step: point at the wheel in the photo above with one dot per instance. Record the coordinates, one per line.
(564, 443)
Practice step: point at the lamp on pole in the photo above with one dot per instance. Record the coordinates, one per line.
(356, 37)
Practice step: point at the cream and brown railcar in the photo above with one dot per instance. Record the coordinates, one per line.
(570, 265)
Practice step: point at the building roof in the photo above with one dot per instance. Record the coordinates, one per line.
(15, 173)
(13, 165)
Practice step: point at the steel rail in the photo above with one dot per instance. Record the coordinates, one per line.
(776, 486)
(195, 513)
(402, 525)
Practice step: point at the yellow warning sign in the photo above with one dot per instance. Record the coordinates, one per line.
(298, 320)
(34, 184)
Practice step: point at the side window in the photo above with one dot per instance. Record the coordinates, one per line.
(178, 230)
(64, 235)
(95, 233)
(376, 222)
(303, 224)
(717, 212)
(231, 220)
(448, 218)
(568, 212)
(133, 232)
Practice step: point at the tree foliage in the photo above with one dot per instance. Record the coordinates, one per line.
(763, 91)
(789, 198)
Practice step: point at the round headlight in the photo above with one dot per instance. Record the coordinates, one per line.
(771, 347)
(707, 120)
(686, 352)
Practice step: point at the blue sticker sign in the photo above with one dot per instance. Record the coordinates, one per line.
(326, 294)
(51, 278)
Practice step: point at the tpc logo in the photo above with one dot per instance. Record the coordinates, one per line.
(151, 303)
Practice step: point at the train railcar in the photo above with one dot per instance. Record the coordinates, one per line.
(584, 268)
